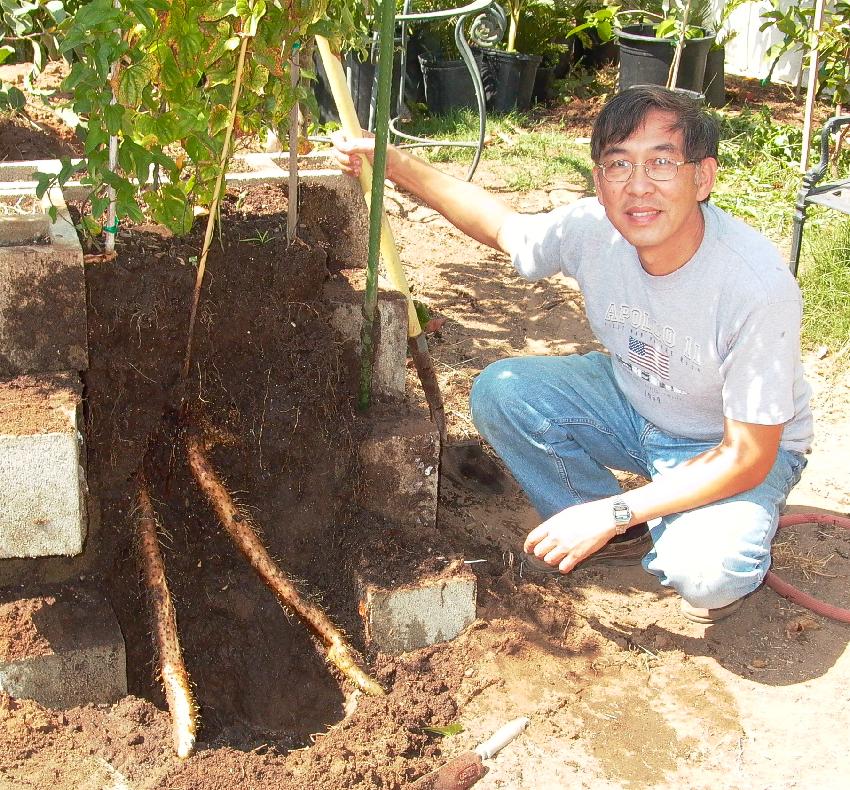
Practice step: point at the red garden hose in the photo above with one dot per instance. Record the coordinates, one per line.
(790, 592)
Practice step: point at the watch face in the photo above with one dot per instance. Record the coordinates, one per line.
(622, 513)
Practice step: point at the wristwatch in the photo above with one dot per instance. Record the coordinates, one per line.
(622, 516)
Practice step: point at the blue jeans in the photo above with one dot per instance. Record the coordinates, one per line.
(561, 423)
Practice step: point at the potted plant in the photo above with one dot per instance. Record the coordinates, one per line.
(647, 50)
(447, 83)
(714, 81)
(541, 34)
(594, 33)
(509, 74)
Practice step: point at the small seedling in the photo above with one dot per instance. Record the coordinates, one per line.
(262, 237)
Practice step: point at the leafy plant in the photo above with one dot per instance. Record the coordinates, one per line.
(796, 24)
(601, 22)
(158, 75)
(541, 30)
(29, 30)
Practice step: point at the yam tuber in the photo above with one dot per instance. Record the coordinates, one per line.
(238, 525)
(175, 679)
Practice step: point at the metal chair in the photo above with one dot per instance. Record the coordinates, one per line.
(487, 23)
(833, 194)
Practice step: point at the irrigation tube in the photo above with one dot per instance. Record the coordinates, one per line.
(376, 206)
(795, 595)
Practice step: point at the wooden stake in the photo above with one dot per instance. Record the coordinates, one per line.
(175, 679)
(238, 525)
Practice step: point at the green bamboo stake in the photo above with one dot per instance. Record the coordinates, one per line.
(376, 208)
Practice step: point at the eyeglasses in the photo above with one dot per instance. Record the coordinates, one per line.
(659, 169)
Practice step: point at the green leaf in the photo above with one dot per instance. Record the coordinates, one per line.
(131, 85)
(256, 79)
(142, 13)
(5, 52)
(43, 182)
(422, 312)
(218, 118)
(171, 207)
(91, 225)
(113, 115)
(450, 729)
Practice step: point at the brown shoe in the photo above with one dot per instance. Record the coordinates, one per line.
(626, 549)
(709, 616)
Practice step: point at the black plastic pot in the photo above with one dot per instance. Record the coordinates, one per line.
(598, 54)
(361, 77)
(646, 60)
(448, 85)
(508, 79)
(544, 88)
(714, 81)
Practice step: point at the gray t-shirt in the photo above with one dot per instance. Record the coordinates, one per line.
(719, 337)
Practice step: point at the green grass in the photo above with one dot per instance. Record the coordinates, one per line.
(825, 280)
(533, 158)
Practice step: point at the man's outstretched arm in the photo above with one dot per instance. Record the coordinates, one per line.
(467, 206)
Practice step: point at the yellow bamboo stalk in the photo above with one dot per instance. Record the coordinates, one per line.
(351, 126)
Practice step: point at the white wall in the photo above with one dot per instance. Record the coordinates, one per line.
(746, 53)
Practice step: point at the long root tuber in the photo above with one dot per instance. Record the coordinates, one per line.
(238, 525)
(175, 679)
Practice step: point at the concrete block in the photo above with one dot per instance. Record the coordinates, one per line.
(61, 649)
(42, 467)
(344, 293)
(399, 468)
(434, 609)
(24, 229)
(42, 300)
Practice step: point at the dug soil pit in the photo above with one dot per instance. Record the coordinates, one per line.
(272, 386)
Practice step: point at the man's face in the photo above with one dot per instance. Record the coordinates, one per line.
(662, 219)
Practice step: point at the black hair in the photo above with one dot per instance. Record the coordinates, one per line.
(626, 112)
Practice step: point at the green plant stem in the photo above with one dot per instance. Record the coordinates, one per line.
(292, 207)
(225, 153)
(376, 208)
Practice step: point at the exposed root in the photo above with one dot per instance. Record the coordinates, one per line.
(238, 525)
(430, 386)
(175, 679)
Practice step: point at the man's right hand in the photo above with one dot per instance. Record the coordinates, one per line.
(349, 153)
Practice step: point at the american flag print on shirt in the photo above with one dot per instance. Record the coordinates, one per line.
(648, 358)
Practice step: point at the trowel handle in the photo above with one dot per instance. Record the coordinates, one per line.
(501, 738)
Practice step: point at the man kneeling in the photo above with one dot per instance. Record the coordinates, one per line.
(702, 389)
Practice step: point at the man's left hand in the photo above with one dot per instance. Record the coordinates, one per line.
(572, 535)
